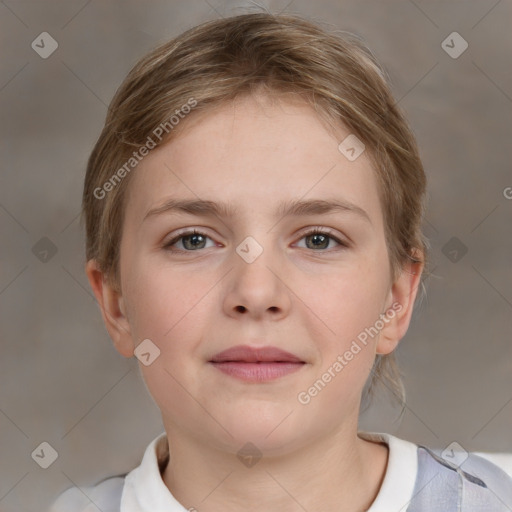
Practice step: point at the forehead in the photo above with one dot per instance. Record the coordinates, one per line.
(254, 153)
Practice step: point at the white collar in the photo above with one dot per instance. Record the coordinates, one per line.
(145, 491)
(396, 490)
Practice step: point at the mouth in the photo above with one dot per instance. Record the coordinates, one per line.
(256, 364)
(247, 354)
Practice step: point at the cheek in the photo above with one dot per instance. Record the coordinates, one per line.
(164, 298)
(347, 300)
(349, 309)
(171, 308)
(351, 304)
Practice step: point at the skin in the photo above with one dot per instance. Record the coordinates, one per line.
(256, 152)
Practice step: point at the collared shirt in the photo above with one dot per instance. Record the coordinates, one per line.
(417, 479)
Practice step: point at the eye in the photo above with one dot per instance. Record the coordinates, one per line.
(191, 241)
(194, 240)
(320, 238)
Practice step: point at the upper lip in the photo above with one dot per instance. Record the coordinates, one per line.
(247, 354)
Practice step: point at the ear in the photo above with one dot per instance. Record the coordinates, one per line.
(400, 305)
(113, 310)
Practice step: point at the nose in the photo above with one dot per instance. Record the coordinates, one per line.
(257, 287)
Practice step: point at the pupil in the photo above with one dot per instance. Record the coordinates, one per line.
(193, 239)
(319, 236)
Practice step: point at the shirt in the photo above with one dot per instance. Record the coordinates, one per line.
(417, 479)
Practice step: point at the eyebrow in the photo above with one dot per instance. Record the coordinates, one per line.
(206, 208)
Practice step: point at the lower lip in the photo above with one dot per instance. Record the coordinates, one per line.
(257, 372)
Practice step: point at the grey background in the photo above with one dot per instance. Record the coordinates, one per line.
(61, 381)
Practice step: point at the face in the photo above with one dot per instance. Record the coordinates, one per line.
(255, 275)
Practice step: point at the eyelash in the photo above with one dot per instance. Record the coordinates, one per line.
(313, 231)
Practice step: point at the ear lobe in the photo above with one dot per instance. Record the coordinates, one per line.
(400, 307)
(112, 308)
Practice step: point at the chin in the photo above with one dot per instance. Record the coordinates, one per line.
(271, 434)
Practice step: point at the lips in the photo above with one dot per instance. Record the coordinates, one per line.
(256, 365)
(246, 354)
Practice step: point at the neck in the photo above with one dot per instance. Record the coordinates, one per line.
(336, 473)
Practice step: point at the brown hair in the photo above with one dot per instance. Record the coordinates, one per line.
(222, 59)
